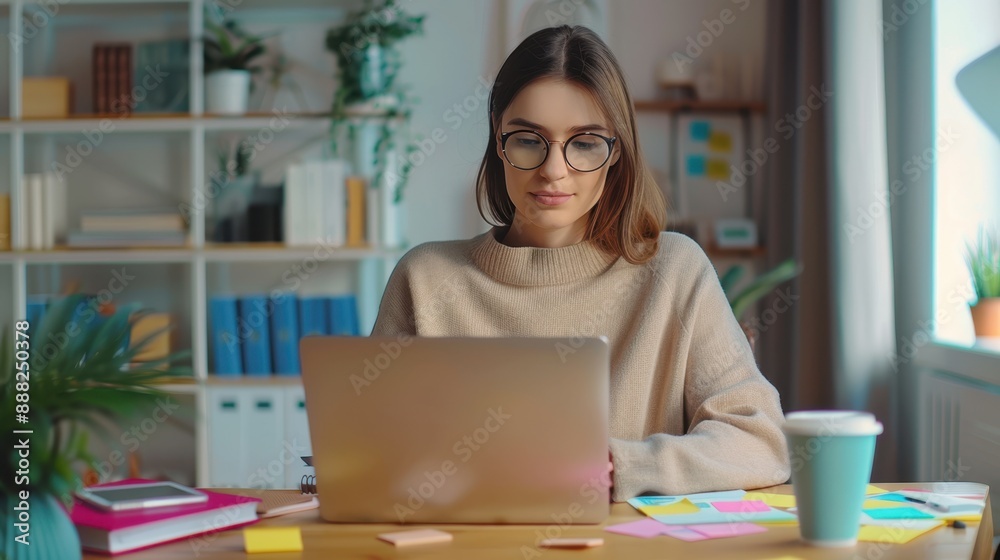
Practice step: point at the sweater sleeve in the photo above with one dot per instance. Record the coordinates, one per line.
(395, 311)
(732, 413)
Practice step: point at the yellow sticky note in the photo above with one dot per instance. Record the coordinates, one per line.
(879, 504)
(272, 539)
(872, 489)
(962, 517)
(773, 500)
(717, 169)
(720, 142)
(890, 535)
(682, 506)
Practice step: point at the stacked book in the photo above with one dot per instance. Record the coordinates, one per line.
(5, 242)
(112, 73)
(116, 532)
(259, 335)
(133, 227)
(323, 204)
(43, 222)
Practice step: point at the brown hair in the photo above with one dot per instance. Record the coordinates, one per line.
(631, 213)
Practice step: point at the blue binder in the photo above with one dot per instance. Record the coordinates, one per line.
(255, 334)
(344, 315)
(285, 335)
(313, 316)
(227, 356)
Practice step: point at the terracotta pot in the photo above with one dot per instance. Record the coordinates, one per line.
(986, 317)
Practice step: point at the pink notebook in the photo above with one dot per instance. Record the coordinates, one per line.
(126, 531)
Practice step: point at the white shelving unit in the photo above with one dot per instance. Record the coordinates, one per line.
(157, 158)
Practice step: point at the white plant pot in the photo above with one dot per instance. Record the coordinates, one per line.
(227, 92)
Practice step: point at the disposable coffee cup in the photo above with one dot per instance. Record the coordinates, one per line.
(831, 455)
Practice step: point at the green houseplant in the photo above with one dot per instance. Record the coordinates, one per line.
(79, 372)
(983, 260)
(741, 300)
(229, 52)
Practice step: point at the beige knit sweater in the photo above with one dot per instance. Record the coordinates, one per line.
(689, 410)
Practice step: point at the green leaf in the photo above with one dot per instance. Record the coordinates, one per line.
(763, 285)
(731, 277)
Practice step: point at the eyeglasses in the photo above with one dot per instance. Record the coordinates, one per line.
(584, 152)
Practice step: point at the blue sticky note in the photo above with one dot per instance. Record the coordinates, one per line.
(696, 165)
(891, 498)
(898, 513)
(643, 501)
(700, 131)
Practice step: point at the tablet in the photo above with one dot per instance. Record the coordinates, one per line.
(137, 496)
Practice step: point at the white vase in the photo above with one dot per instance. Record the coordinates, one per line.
(227, 92)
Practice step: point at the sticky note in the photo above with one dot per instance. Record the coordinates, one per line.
(773, 500)
(571, 543)
(415, 537)
(891, 498)
(723, 496)
(272, 539)
(682, 506)
(685, 534)
(696, 166)
(717, 169)
(889, 535)
(642, 501)
(700, 131)
(879, 504)
(722, 530)
(644, 528)
(741, 506)
(713, 516)
(898, 513)
(872, 489)
(720, 141)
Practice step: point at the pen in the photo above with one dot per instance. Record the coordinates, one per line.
(927, 503)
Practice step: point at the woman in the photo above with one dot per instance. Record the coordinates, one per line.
(579, 251)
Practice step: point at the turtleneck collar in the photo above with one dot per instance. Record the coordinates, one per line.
(537, 266)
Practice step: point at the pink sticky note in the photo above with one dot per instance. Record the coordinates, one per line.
(741, 506)
(685, 534)
(722, 530)
(644, 528)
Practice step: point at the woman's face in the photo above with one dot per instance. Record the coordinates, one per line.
(553, 201)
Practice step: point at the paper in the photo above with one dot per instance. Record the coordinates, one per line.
(879, 504)
(643, 501)
(872, 489)
(891, 497)
(898, 513)
(696, 166)
(700, 130)
(720, 141)
(679, 507)
(741, 506)
(692, 533)
(904, 523)
(712, 516)
(889, 535)
(644, 528)
(717, 169)
(724, 496)
(418, 536)
(272, 539)
(571, 543)
(773, 500)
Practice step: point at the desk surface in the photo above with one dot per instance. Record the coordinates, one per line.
(326, 540)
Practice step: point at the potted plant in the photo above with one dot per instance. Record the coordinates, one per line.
(741, 300)
(229, 51)
(983, 259)
(89, 377)
(373, 109)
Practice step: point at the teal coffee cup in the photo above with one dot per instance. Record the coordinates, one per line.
(831, 455)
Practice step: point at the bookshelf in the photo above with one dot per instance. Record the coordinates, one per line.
(164, 160)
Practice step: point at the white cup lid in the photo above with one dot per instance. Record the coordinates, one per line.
(831, 423)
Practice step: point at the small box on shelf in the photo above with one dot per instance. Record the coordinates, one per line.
(46, 97)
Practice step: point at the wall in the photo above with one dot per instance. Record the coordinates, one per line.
(463, 45)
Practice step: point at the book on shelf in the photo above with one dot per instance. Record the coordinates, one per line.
(343, 315)
(44, 210)
(285, 336)
(5, 222)
(125, 239)
(111, 69)
(132, 219)
(223, 317)
(117, 532)
(316, 203)
(254, 333)
(166, 65)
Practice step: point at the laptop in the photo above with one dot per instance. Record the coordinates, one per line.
(458, 430)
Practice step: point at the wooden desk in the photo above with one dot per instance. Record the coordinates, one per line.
(327, 541)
